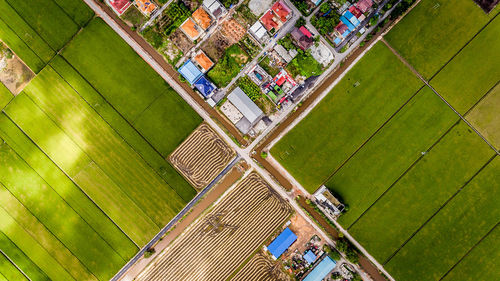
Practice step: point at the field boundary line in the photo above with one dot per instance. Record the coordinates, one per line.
(440, 208)
(71, 179)
(48, 230)
(13, 263)
(441, 97)
(463, 47)
(403, 174)
(34, 30)
(130, 124)
(482, 98)
(174, 220)
(372, 135)
(29, 47)
(470, 250)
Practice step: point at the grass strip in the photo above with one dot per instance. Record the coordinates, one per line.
(14, 208)
(421, 192)
(434, 31)
(46, 134)
(48, 20)
(77, 10)
(5, 96)
(449, 235)
(394, 148)
(473, 72)
(57, 216)
(124, 129)
(482, 262)
(356, 107)
(104, 146)
(9, 271)
(27, 36)
(31, 248)
(70, 192)
(20, 48)
(21, 260)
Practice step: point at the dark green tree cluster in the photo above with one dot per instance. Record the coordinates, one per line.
(326, 19)
(348, 249)
(250, 88)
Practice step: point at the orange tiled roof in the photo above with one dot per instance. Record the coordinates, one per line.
(203, 61)
(146, 6)
(189, 27)
(202, 18)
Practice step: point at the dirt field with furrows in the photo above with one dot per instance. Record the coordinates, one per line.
(216, 245)
(261, 268)
(202, 156)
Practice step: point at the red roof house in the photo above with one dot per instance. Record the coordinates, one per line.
(355, 11)
(364, 5)
(119, 6)
(341, 28)
(281, 10)
(269, 21)
(302, 37)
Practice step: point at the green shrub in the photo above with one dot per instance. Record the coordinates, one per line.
(149, 252)
(250, 88)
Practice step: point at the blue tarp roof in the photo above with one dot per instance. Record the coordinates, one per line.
(351, 18)
(189, 71)
(282, 242)
(316, 2)
(337, 40)
(321, 270)
(204, 86)
(347, 22)
(309, 256)
(347, 32)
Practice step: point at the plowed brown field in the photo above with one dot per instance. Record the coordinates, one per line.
(215, 246)
(202, 156)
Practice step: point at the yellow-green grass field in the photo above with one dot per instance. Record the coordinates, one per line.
(466, 219)
(421, 192)
(473, 72)
(400, 143)
(83, 185)
(369, 94)
(481, 262)
(137, 92)
(485, 118)
(434, 31)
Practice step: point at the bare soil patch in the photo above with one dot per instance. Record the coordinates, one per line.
(215, 46)
(261, 267)
(232, 30)
(181, 41)
(14, 74)
(487, 5)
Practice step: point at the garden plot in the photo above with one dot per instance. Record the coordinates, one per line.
(261, 268)
(13, 73)
(215, 246)
(354, 110)
(202, 156)
(434, 31)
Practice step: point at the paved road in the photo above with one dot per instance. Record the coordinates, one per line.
(244, 153)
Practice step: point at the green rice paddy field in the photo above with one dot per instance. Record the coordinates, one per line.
(421, 184)
(84, 181)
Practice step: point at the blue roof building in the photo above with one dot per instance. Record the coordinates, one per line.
(282, 243)
(317, 2)
(345, 21)
(205, 87)
(190, 72)
(351, 18)
(310, 257)
(337, 40)
(321, 270)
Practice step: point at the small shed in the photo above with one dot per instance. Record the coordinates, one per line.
(321, 270)
(282, 243)
(310, 257)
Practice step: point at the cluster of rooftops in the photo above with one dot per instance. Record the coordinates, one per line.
(351, 18)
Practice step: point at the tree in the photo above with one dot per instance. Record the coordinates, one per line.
(325, 7)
